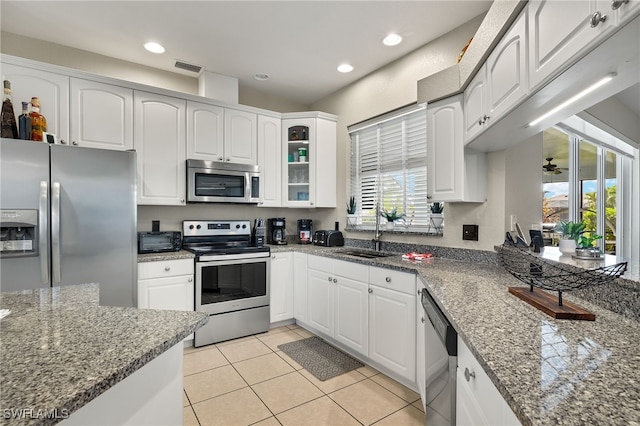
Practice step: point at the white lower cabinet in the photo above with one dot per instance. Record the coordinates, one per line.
(281, 287)
(392, 316)
(300, 286)
(166, 285)
(478, 402)
(421, 371)
(368, 309)
(337, 301)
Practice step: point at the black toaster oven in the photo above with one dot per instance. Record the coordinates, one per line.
(158, 242)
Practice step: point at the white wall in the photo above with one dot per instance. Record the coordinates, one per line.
(394, 86)
(390, 87)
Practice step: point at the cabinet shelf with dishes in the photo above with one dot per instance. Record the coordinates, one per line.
(298, 163)
(309, 142)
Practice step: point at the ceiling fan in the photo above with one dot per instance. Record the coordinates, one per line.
(550, 169)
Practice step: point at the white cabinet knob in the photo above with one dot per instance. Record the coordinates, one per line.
(190, 280)
(335, 280)
(596, 18)
(167, 269)
(74, 143)
(388, 279)
(468, 375)
(615, 4)
(370, 290)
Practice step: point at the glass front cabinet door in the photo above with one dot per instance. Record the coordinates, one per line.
(309, 164)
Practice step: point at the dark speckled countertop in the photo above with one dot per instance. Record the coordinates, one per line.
(59, 349)
(550, 372)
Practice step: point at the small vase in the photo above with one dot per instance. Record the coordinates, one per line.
(436, 220)
(390, 225)
(352, 220)
(567, 246)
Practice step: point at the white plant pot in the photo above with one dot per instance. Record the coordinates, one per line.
(567, 246)
(390, 225)
(352, 220)
(436, 220)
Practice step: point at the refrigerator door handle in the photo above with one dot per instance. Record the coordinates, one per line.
(44, 231)
(55, 232)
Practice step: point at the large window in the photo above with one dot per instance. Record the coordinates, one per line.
(582, 183)
(389, 166)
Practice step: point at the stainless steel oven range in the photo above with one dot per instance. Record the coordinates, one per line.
(231, 279)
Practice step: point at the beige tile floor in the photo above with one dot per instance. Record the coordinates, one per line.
(249, 381)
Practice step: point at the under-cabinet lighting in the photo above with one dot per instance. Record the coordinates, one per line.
(575, 98)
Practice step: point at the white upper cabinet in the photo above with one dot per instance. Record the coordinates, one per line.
(507, 70)
(160, 145)
(313, 134)
(475, 105)
(270, 161)
(454, 173)
(500, 84)
(561, 31)
(52, 89)
(101, 115)
(240, 137)
(205, 134)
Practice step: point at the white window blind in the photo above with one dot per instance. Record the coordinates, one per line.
(389, 165)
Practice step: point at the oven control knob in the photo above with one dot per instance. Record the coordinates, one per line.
(190, 226)
(198, 227)
(244, 226)
(237, 226)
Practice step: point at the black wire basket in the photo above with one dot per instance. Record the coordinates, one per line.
(549, 275)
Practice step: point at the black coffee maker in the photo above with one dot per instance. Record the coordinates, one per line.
(305, 231)
(276, 233)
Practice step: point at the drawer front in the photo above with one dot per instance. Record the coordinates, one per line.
(355, 271)
(320, 263)
(167, 268)
(393, 280)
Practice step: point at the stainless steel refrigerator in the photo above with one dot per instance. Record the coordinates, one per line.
(68, 216)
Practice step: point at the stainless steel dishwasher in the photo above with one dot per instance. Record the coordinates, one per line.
(441, 359)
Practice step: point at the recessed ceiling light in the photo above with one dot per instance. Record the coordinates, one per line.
(154, 47)
(261, 76)
(345, 68)
(392, 39)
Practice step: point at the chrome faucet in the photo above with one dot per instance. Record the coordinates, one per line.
(376, 238)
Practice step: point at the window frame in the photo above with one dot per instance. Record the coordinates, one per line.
(383, 171)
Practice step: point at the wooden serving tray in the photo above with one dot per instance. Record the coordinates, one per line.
(548, 304)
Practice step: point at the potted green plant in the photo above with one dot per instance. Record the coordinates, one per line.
(571, 232)
(586, 245)
(351, 211)
(391, 216)
(436, 214)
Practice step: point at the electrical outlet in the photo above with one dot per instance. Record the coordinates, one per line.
(514, 220)
(470, 232)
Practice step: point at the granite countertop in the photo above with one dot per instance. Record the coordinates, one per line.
(549, 371)
(170, 255)
(60, 349)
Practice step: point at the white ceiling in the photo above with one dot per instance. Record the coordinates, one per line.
(298, 43)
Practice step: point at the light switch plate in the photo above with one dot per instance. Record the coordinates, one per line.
(470, 232)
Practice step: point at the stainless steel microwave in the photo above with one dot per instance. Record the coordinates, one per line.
(221, 182)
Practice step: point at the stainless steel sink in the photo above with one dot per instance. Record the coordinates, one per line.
(366, 254)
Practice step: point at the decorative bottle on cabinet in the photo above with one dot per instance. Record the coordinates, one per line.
(24, 122)
(38, 122)
(8, 119)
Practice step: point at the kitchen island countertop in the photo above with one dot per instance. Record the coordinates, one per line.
(550, 372)
(61, 350)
